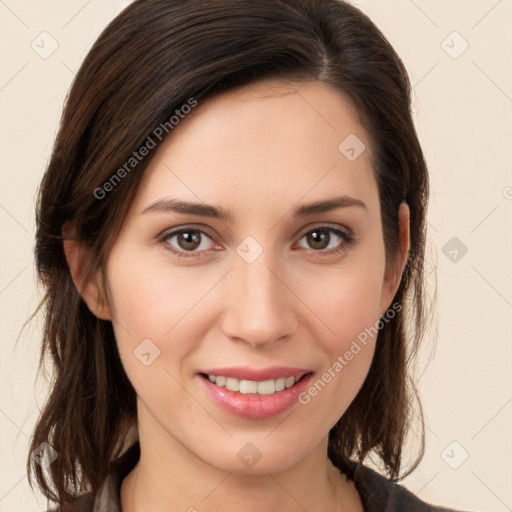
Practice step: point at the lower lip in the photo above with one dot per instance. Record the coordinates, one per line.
(253, 406)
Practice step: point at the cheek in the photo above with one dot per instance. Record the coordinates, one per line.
(346, 301)
(348, 348)
(149, 298)
(347, 305)
(155, 309)
(141, 310)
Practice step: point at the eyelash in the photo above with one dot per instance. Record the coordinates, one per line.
(348, 241)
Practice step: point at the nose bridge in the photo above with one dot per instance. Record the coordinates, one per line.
(260, 307)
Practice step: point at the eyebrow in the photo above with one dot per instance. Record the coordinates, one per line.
(169, 204)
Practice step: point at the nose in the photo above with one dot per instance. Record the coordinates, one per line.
(260, 306)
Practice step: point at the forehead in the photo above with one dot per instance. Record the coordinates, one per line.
(264, 143)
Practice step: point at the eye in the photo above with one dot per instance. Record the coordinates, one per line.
(188, 240)
(320, 239)
(191, 242)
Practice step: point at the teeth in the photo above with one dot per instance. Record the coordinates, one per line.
(266, 387)
(280, 384)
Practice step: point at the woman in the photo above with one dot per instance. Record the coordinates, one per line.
(231, 232)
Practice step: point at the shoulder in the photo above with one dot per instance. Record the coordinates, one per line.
(380, 494)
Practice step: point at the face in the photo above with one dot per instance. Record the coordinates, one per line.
(270, 291)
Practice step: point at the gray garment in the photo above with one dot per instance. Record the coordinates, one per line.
(378, 493)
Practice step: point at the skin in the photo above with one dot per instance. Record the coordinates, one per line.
(259, 152)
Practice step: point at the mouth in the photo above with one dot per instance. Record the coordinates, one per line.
(263, 394)
(254, 387)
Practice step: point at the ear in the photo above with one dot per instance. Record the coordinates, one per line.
(394, 273)
(77, 255)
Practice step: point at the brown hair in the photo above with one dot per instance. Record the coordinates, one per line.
(149, 61)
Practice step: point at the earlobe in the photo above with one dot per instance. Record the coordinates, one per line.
(90, 289)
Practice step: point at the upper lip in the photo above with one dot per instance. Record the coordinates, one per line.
(261, 374)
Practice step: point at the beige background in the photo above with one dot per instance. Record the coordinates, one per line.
(463, 108)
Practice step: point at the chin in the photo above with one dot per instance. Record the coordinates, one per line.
(248, 455)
